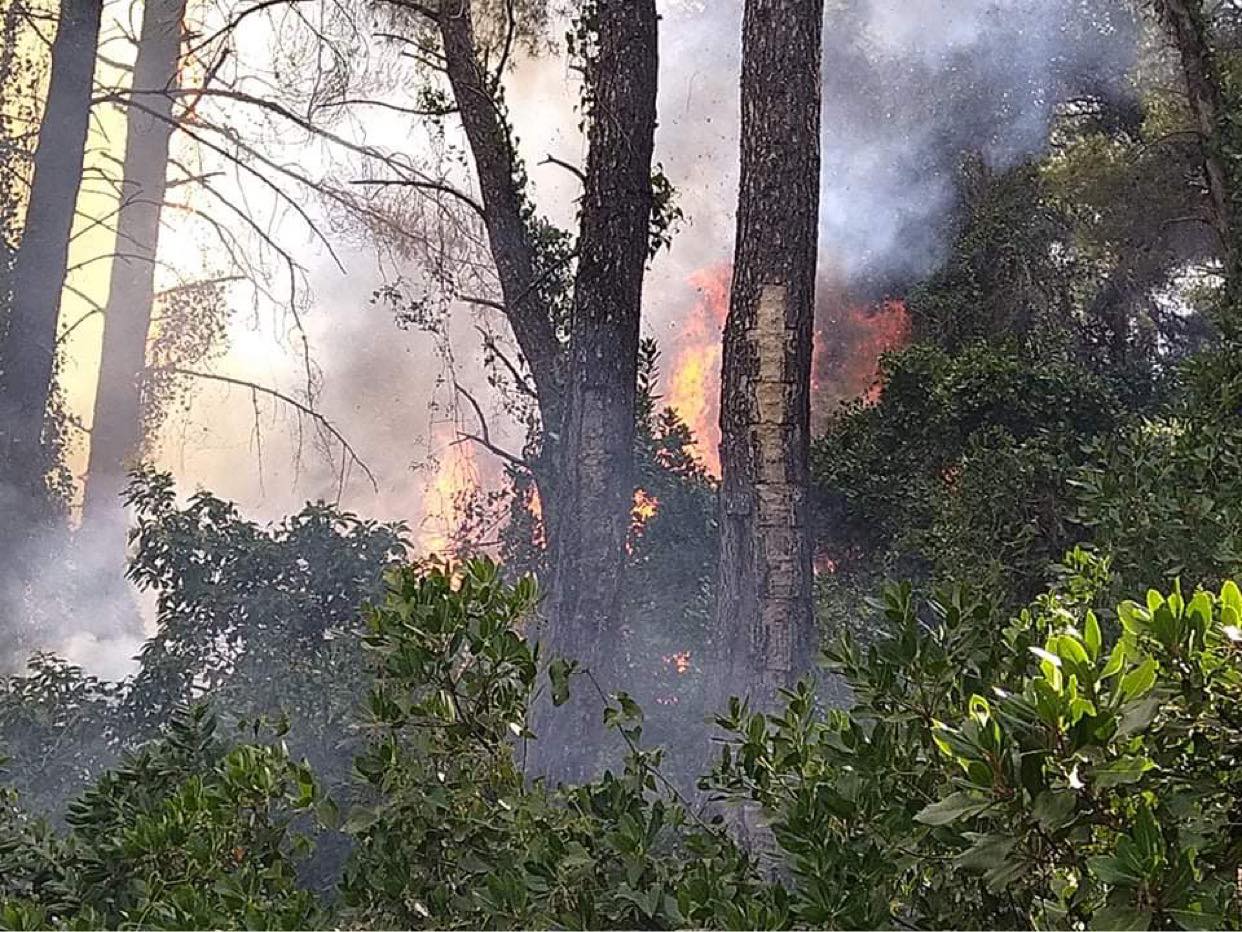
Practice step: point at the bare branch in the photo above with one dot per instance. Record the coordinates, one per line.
(301, 407)
(484, 441)
(425, 186)
(572, 169)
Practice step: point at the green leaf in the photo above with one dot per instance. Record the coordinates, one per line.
(1136, 716)
(1069, 650)
(987, 851)
(955, 806)
(1116, 660)
(1092, 636)
(1128, 769)
(1131, 615)
(1123, 918)
(1231, 596)
(1054, 808)
(559, 671)
(1139, 680)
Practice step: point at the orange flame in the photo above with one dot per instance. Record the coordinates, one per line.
(825, 565)
(534, 505)
(849, 347)
(849, 341)
(646, 506)
(694, 383)
(447, 497)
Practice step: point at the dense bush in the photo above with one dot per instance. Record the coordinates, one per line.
(961, 465)
(1029, 773)
(1065, 767)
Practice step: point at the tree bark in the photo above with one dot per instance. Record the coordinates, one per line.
(1188, 29)
(506, 219)
(597, 481)
(117, 427)
(27, 349)
(501, 187)
(764, 607)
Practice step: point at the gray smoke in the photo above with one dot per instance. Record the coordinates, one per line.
(911, 87)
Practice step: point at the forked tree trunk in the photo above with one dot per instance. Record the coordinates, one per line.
(764, 610)
(117, 431)
(597, 477)
(28, 345)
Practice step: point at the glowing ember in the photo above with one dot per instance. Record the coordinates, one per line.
(693, 388)
(680, 662)
(534, 504)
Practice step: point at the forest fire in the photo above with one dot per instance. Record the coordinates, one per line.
(849, 342)
(850, 338)
(447, 497)
(693, 388)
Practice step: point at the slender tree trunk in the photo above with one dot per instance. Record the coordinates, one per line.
(502, 191)
(27, 349)
(764, 610)
(1187, 26)
(597, 481)
(117, 431)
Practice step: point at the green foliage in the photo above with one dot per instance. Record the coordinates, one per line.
(1164, 498)
(259, 618)
(450, 835)
(1029, 774)
(1067, 767)
(184, 834)
(60, 727)
(961, 465)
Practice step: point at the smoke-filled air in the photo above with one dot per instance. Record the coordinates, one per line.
(601, 464)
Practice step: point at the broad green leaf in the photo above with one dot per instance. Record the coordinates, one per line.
(1054, 808)
(1128, 769)
(1139, 680)
(955, 806)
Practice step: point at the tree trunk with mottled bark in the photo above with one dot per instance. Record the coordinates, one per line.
(764, 610)
(28, 345)
(1187, 27)
(586, 394)
(117, 427)
(597, 477)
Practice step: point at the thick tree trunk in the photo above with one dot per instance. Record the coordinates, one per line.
(1187, 26)
(764, 610)
(27, 349)
(597, 481)
(117, 434)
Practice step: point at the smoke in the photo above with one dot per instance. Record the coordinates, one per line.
(65, 594)
(911, 87)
